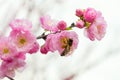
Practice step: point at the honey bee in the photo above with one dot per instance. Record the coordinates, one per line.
(67, 47)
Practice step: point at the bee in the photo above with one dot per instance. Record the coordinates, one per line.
(67, 47)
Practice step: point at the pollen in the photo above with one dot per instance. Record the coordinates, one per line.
(64, 42)
(5, 50)
(22, 42)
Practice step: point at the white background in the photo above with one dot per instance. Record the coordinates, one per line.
(98, 60)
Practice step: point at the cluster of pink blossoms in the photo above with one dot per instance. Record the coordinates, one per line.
(13, 48)
(59, 39)
(93, 22)
(62, 39)
(58, 36)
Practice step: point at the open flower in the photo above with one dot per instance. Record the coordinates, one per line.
(64, 42)
(8, 67)
(21, 24)
(23, 41)
(7, 49)
(68, 42)
(97, 29)
(48, 24)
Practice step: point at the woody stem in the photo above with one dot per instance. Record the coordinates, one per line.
(10, 78)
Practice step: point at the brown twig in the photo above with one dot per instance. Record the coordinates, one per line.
(43, 36)
(10, 78)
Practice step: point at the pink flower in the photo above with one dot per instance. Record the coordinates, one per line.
(5, 72)
(44, 49)
(89, 32)
(23, 41)
(20, 55)
(34, 48)
(97, 29)
(64, 42)
(79, 12)
(68, 42)
(80, 24)
(52, 42)
(21, 24)
(8, 67)
(100, 28)
(90, 14)
(62, 25)
(48, 24)
(7, 49)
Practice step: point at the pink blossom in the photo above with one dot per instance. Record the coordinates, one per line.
(21, 24)
(23, 41)
(20, 55)
(72, 41)
(62, 25)
(79, 12)
(64, 42)
(80, 24)
(34, 48)
(8, 67)
(48, 24)
(43, 49)
(97, 29)
(100, 28)
(7, 49)
(5, 72)
(52, 42)
(89, 32)
(90, 14)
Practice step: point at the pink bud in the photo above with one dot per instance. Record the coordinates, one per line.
(43, 50)
(34, 48)
(62, 25)
(79, 12)
(90, 14)
(80, 24)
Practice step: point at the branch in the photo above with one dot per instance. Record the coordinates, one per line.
(10, 78)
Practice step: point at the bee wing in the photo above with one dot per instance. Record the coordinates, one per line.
(66, 51)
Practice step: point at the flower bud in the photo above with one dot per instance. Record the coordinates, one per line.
(43, 50)
(80, 24)
(62, 25)
(90, 15)
(79, 12)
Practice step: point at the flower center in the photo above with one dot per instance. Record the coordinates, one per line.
(66, 42)
(5, 50)
(87, 24)
(22, 41)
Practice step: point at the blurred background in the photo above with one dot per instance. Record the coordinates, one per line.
(98, 60)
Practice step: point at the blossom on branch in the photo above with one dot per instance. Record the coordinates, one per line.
(64, 42)
(93, 22)
(58, 36)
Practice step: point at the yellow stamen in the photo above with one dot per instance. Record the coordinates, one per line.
(64, 42)
(21, 41)
(5, 50)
